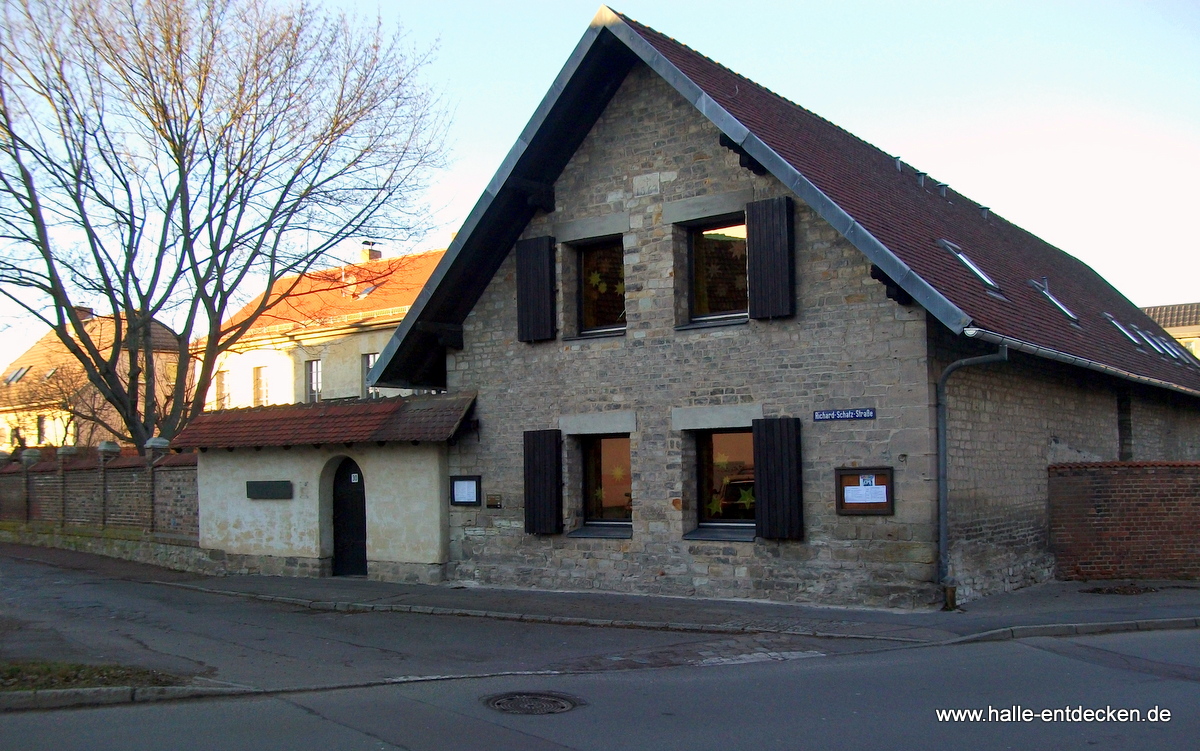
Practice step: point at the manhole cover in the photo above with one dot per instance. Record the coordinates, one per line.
(526, 702)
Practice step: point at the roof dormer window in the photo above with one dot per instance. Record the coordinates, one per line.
(1044, 287)
(971, 266)
(1128, 334)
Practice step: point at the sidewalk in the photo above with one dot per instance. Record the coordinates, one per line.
(1050, 609)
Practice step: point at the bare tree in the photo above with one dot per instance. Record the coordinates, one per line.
(160, 160)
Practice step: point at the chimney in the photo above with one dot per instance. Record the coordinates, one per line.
(370, 252)
(83, 313)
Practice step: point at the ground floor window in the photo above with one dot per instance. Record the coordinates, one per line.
(607, 480)
(725, 482)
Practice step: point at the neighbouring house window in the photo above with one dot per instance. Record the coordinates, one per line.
(221, 390)
(725, 481)
(607, 480)
(718, 266)
(368, 362)
(602, 286)
(312, 381)
(41, 429)
(260, 386)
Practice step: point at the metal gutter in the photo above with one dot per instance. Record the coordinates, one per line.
(1079, 362)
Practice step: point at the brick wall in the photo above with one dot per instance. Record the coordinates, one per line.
(1118, 520)
(124, 494)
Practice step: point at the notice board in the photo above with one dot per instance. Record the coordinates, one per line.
(865, 491)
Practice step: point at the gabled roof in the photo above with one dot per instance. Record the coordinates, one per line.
(402, 418)
(1175, 316)
(878, 203)
(372, 291)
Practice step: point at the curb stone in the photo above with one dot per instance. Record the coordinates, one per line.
(1077, 629)
(1000, 634)
(61, 698)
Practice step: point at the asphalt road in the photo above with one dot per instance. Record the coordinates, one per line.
(638, 689)
(882, 700)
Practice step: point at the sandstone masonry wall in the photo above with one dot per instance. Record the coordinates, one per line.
(848, 346)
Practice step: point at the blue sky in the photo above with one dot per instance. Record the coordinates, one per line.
(1079, 121)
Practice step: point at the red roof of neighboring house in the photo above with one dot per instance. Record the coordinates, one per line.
(875, 201)
(403, 418)
(1171, 316)
(382, 288)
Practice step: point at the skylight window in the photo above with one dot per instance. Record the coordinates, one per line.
(49, 374)
(974, 269)
(16, 375)
(367, 291)
(1128, 334)
(1044, 287)
(1154, 345)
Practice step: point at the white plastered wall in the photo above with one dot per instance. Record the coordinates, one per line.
(406, 491)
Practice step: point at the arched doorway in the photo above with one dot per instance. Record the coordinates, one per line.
(349, 521)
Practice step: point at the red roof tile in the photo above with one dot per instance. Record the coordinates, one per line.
(408, 418)
(1170, 316)
(382, 288)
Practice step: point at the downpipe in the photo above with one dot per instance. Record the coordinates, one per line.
(950, 586)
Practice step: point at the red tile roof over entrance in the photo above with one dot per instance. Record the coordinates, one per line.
(404, 418)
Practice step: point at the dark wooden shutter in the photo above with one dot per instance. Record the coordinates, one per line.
(543, 482)
(770, 263)
(779, 512)
(535, 289)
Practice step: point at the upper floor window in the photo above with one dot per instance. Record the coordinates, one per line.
(312, 381)
(221, 390)
(718, 269)
(368, 362)
(260, 386)
(602, 286)
(41, 429)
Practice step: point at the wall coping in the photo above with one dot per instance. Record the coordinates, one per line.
(1076, 466)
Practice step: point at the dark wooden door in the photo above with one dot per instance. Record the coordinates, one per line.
(349, 521)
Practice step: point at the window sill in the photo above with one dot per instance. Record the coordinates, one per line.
(714, 323)
(605, 334)
(741, 533)
(604, 531)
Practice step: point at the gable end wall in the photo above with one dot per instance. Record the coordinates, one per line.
(848, 346)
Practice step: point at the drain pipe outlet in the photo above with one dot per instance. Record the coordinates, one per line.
(949, 586)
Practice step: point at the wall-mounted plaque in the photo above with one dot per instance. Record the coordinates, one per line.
(864, 491)
(269, 490)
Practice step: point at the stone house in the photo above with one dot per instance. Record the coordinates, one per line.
(707, 331)
(321, 333)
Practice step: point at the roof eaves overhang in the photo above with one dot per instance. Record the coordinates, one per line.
(386, 371)
(879, 254)
(1048, 353)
